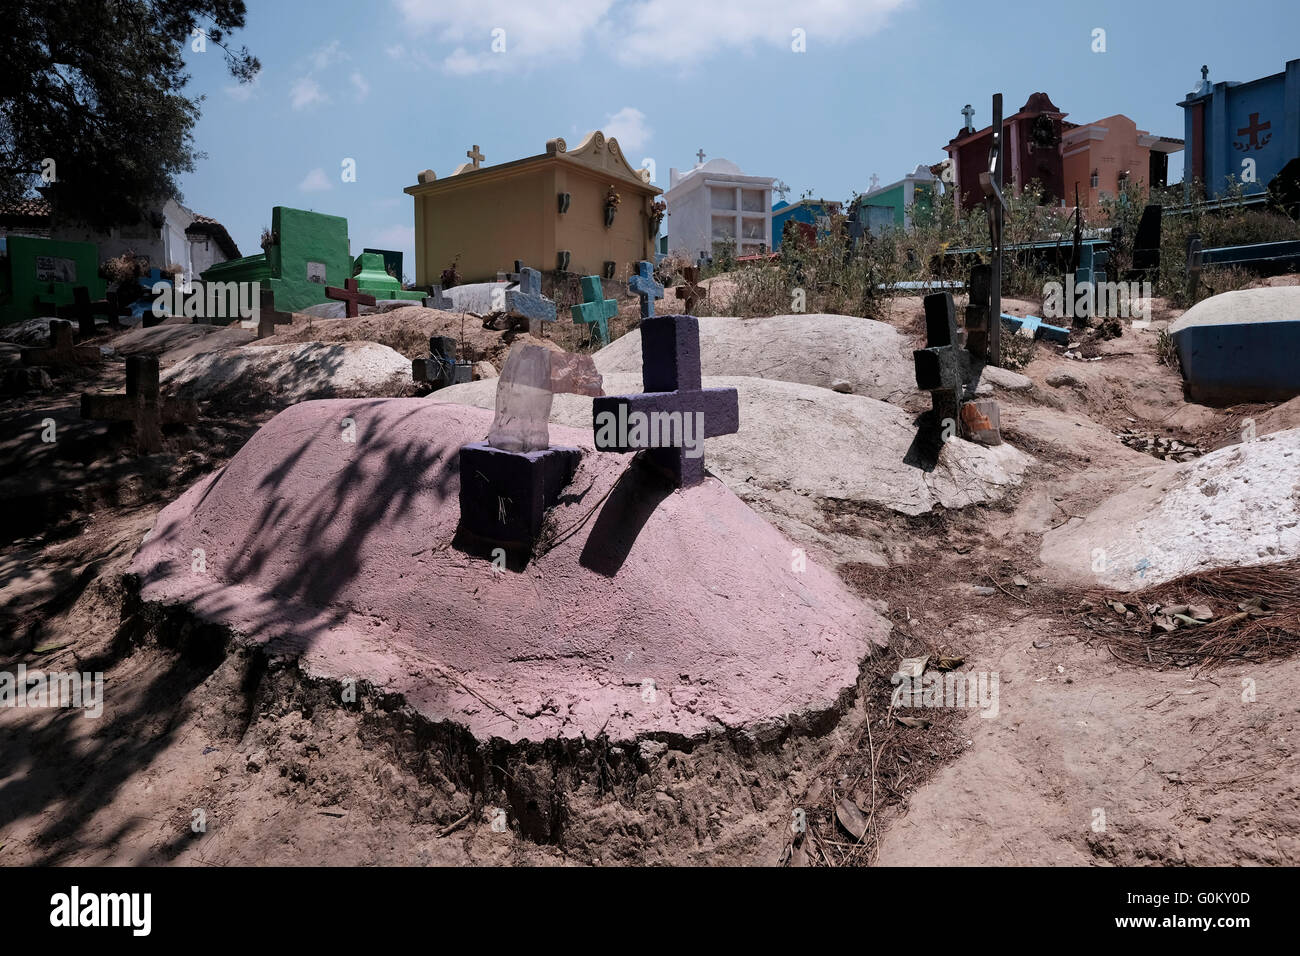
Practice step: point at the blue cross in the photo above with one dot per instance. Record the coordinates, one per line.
(644, 285)
(528, 300)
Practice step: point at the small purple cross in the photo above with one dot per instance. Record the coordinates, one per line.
(675, 412)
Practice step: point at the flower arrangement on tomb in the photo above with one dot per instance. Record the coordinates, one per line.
(612, 199)
(450, 277)
(657, 211)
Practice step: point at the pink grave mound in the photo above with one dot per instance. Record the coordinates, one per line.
(644, 611)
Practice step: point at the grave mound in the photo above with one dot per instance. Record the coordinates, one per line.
(1238, 506)
(173, 342)
(805, 445)
(648, 613)
(1241, 346)
(817, 349)
(291, 373)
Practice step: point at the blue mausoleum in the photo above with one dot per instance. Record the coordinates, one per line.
(1245, 130)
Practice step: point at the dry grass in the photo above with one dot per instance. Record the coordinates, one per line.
(1237, 633)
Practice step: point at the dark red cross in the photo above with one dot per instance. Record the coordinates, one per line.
(1254, 129)
(351, 295)
(690, 291)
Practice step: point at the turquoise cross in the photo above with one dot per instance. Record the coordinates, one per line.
(594, 309)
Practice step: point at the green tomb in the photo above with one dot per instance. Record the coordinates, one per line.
(38, 275)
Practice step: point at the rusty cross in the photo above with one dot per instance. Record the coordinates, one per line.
(690, 292)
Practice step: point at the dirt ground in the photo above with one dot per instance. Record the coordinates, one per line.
(208, 755)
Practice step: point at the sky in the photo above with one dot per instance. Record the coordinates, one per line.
(820, 93)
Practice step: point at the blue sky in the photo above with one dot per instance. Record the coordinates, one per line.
(404, 85)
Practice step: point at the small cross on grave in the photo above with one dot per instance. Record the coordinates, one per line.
(690, 291)
(142, 404)
(475, 156)
(267, 316)
(950, 373)
(84, 311)
(351, 295)
(441, 368)
(594, 309)
(675, 413)
(437, 299)
(643, 285)
(527, 301)
(508, 481)
(60, 350)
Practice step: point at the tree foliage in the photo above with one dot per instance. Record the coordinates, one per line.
(97, 86)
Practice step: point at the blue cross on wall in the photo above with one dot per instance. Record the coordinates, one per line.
(670, 373)
(643, 284)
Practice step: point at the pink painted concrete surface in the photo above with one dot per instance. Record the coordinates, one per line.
(340, 554)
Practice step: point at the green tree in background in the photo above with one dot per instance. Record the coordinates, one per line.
(97, 87)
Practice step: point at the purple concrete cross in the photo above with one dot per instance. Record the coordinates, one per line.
(674, 405)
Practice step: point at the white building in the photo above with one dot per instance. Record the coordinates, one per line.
(716, 202)
(167, 235)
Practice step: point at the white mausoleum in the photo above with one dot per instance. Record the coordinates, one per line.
(714, 202)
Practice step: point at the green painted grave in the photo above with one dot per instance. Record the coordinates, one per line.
(309, 250)
(373, 278)
(38, 275)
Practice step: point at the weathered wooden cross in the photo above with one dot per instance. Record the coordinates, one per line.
(142, 404)
(675, 406)
(594, 309)
(351, 295)
(995, 208)
(528, 302)
(690, 291)
(642, 283)
(60, 350)
(84, 311)
(267, 316)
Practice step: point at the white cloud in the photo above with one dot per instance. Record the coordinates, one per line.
(628, 126)
(360, 85)
(328, 55)
(648, 32)
(394, 237)
(536, 31)
(315, 182)
(306, 92)
(243, 92)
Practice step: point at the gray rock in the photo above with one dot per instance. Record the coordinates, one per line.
(1004, 378)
